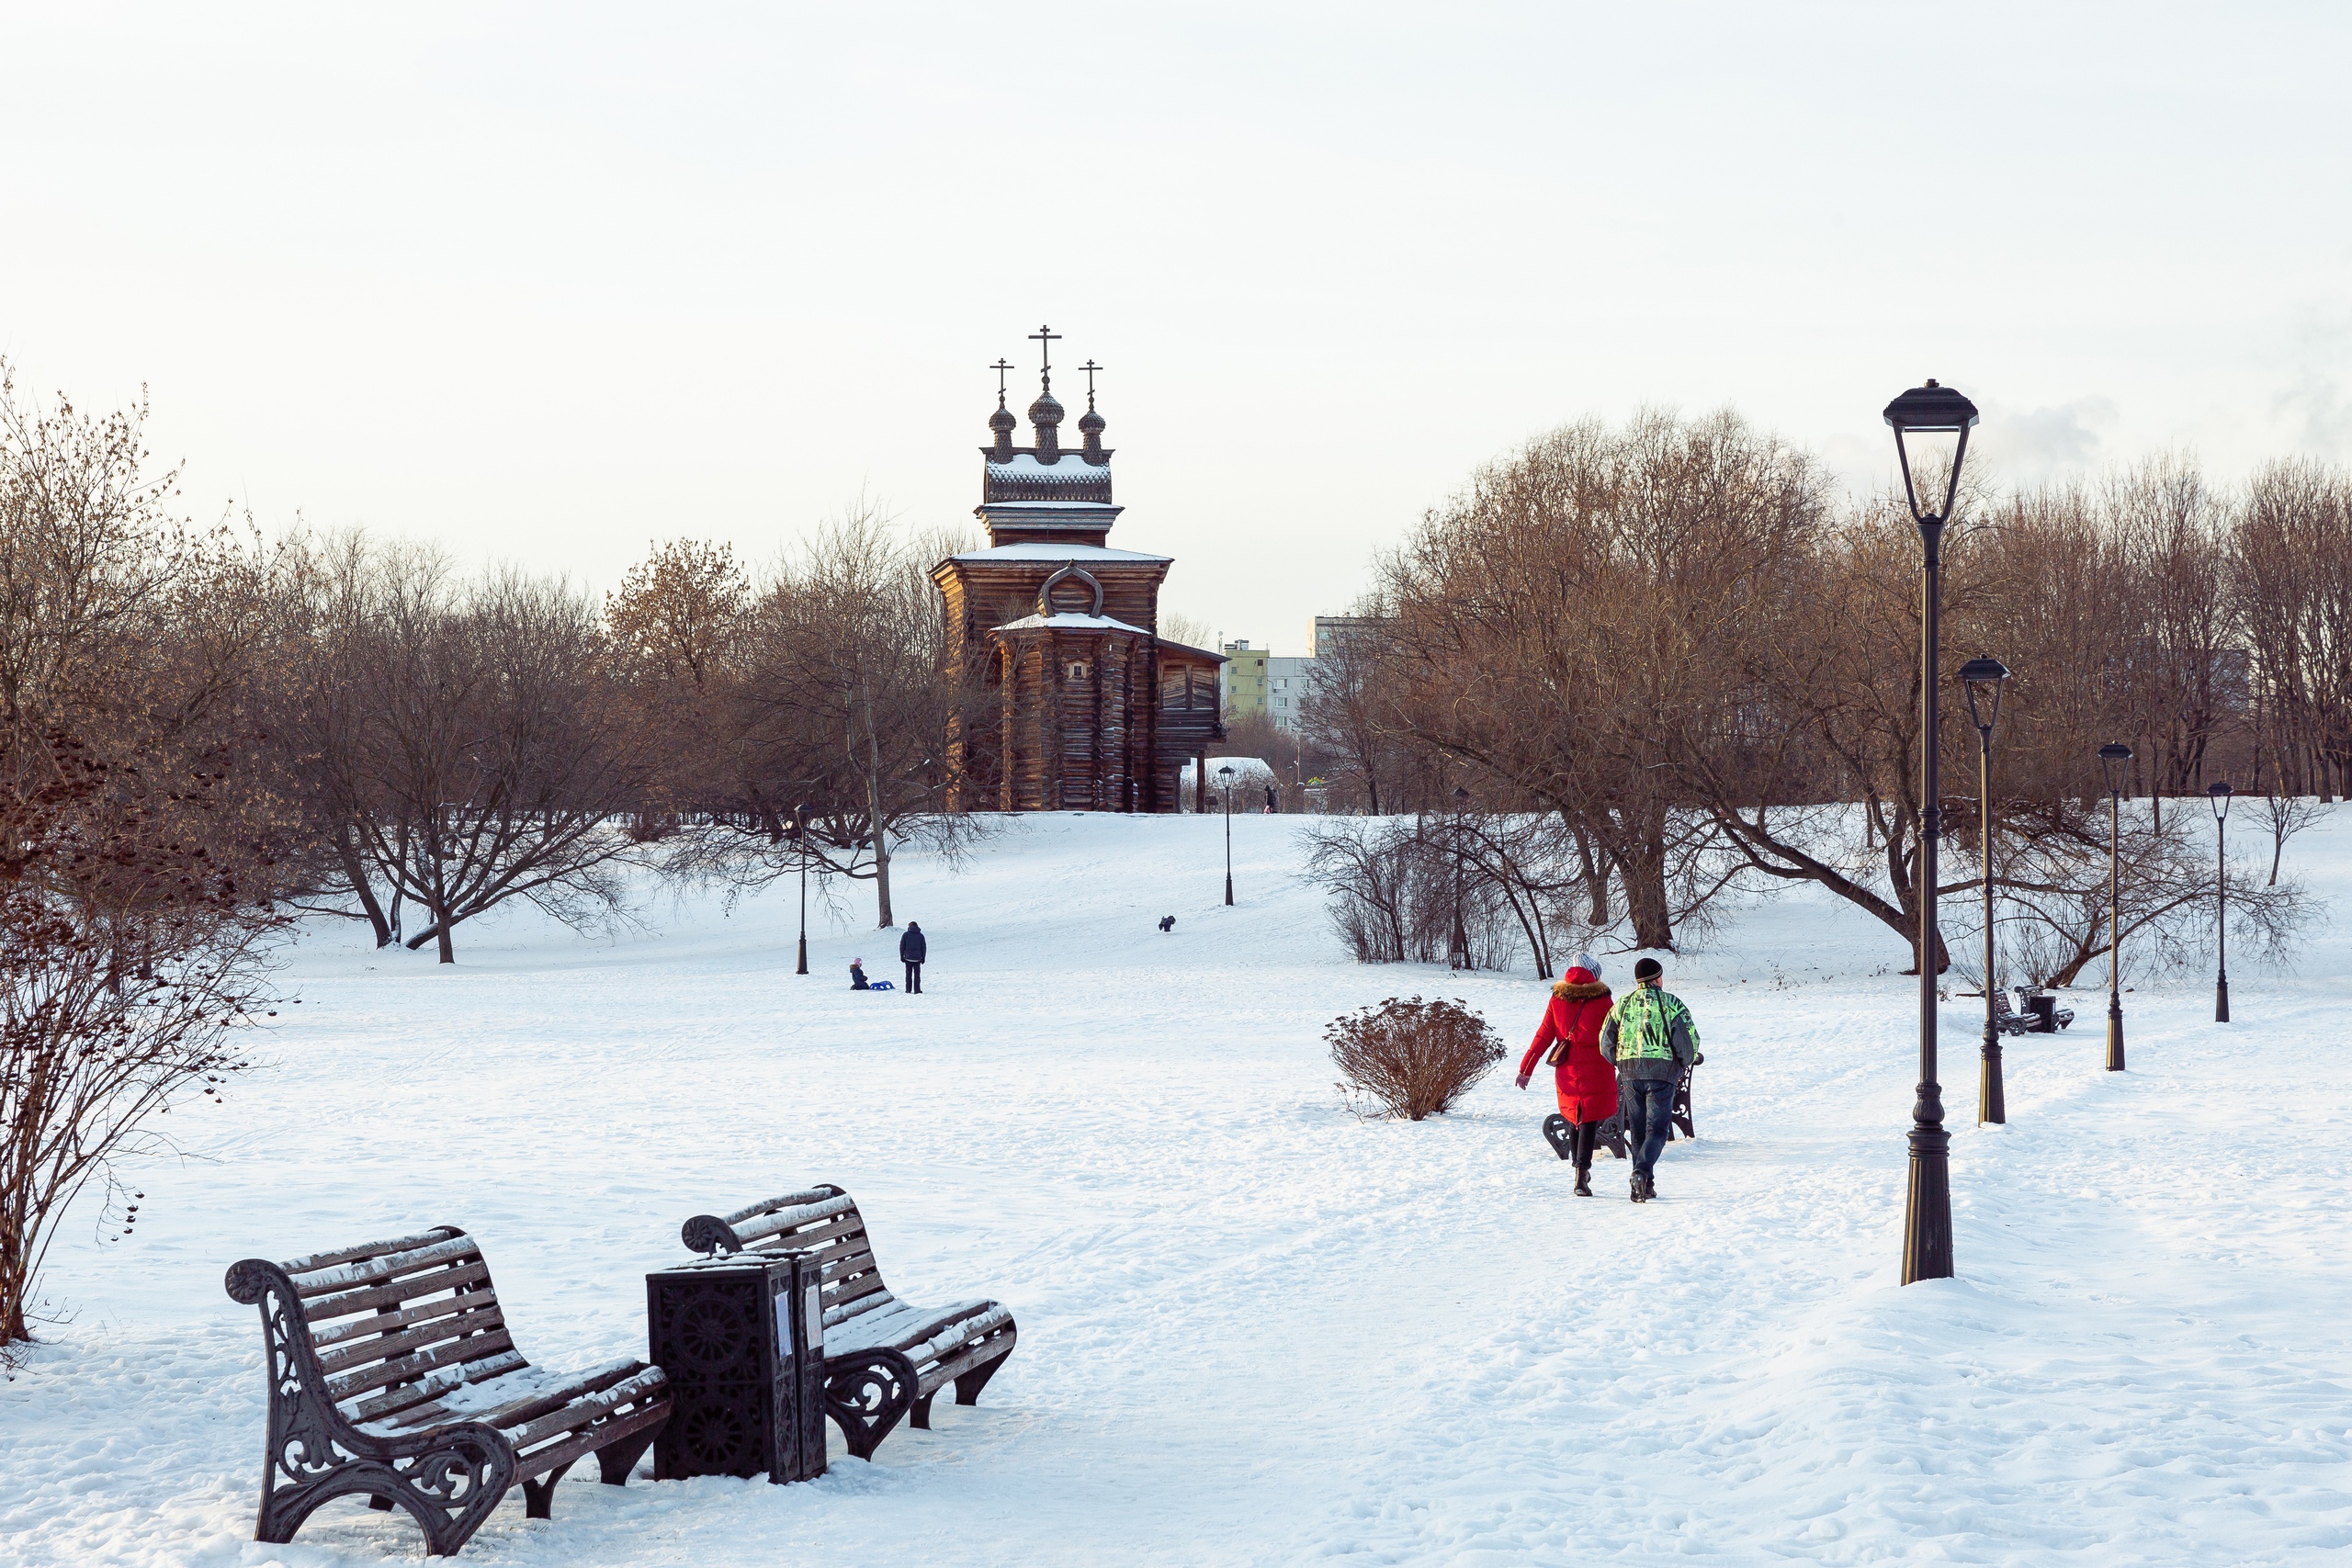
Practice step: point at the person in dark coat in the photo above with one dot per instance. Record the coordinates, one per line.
(858, 975)
(1270, 800)
(911, 949)
(1586, 1084)
(1652, 1041)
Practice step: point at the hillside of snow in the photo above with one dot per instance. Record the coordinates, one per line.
(1255, 1330)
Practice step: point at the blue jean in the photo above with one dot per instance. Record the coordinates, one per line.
(1648, 1104)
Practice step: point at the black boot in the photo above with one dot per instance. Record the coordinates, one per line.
(1637, 1187)
(1584, 1181)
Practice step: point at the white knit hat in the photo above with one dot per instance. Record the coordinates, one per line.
(1587, 962)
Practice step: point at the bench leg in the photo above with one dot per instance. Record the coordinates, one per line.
(866, 1392)
(969, 1386)
(616, 1462)
(538, 1496)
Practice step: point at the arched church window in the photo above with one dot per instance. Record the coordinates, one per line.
(1079, 669)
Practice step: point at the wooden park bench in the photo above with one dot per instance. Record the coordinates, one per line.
(392, 1373)
(884, 1358)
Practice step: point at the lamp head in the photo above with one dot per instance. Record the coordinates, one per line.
(2219, 793)
(1985, 672)
(2112, 757)
(1931, 410)
(1225, 773)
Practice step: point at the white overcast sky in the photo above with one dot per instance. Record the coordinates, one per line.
(549, 283)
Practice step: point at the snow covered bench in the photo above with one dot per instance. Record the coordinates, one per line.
(884, 1357)
(392, 1373)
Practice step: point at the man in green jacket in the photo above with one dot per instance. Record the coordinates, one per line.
(1651, 1040)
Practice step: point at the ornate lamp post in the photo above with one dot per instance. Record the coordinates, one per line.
(2219, 793)
(800, 839)
(1989, 674)
(1927, 1217)
(1225, 775)
(2111, 758)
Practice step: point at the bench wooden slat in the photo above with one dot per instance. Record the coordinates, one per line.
(392, 1296)
(434, 1384)
(408, 1369)
(767, 1225)
(776, 1205)
(311, 1262)
(530, 1466)
(848, 1228)
(385, 1323)
(957, 1365)
(585, 1407)
(460, 1316)
(839, 1264)
(845, 1301)
(378, 1270)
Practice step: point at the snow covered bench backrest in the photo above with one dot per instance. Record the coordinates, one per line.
(395, 1323)
(824, 1221)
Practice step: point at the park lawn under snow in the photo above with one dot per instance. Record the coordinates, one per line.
(1254, 1328)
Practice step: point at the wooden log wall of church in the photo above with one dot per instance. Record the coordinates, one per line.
(1009, 718)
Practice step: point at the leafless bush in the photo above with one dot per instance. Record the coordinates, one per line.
(1480, 888)
(1411, 889)
(1409, 1058)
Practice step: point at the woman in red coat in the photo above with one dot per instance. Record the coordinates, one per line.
(1587, 1083)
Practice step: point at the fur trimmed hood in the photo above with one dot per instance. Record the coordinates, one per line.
(1579, 990)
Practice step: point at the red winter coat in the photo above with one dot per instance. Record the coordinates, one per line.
(1587, 1083)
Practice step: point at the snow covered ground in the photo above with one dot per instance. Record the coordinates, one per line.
(1254, 1329)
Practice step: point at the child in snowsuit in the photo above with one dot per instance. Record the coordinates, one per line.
(1650, 1038)
(1586, 1083)
(858, 975)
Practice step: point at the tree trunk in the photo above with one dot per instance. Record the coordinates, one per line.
(355, 872)
(1641, 866)
(873, 810)
(1596, 880)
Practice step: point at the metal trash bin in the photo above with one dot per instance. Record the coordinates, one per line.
(742, 1339)
(2044, 1011)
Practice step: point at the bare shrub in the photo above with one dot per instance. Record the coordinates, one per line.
(1410, 1057)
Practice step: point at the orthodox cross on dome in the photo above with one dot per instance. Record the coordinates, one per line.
(1000, 366)
(1089, 368)
(1043, 337)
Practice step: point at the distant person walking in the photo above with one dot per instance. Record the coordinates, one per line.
(911, 949)
(1270, 800)
(1584, 1080)
(1651, 1040)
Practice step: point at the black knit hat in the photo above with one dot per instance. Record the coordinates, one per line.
(1648, 969)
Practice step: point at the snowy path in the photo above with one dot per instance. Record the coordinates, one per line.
(1254, 1329)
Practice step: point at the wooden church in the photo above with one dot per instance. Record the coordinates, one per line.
(1075, 703)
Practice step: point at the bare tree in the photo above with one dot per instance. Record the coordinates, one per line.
(139, 837)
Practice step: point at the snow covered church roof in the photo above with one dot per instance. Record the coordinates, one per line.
(1046, 549)
(1070, 621)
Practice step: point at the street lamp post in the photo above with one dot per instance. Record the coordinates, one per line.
(2111, 758)
(1986, 674)
(1927, 1220)
(1225, 775)
(800, 839)
(2219, 793)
